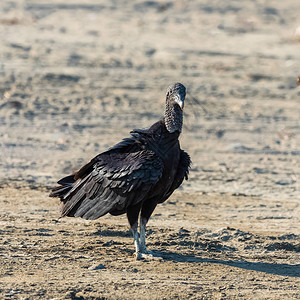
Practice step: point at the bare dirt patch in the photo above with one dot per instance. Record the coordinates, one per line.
(206, 255)
(76, 76)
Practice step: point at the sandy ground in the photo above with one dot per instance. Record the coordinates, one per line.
(77, 76)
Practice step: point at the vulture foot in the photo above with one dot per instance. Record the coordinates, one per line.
(148, 255)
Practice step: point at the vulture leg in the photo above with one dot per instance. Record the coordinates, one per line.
(147, 209)
(136, 241)
(143, 248)
(132, 216)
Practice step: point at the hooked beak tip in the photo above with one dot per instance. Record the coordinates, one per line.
(180, 103)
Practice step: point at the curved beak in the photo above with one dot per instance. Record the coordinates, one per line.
(180, 102)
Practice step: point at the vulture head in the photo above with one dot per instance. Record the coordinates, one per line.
(174, 107)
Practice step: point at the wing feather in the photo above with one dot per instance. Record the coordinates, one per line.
(112, 180)
(181, 174)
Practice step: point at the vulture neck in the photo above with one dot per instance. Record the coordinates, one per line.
(173, 117)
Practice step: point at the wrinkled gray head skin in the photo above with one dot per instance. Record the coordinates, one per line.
(174, 107)
(176, 94)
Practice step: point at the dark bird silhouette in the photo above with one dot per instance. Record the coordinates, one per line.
(133, 176)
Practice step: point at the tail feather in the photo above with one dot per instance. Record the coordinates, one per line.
(71, 193)
(60, 191)
(65, 186)
(69, 180)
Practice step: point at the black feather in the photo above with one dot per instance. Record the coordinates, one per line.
(136, 174)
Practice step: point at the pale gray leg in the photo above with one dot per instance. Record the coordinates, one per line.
(139, 241)
(143, 223)
(144, 252)
(136, 241)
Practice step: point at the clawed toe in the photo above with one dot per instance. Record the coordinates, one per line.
(147, 255)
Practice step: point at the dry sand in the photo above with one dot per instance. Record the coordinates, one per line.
(76, 76)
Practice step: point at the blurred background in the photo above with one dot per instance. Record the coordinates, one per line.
(76, 76)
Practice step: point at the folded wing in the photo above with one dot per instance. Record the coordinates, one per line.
(181, 174)
(110, 182)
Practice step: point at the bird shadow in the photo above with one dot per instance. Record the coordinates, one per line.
(113, 233)
(270, 268)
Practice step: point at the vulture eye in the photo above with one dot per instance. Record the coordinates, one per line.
(170, 92)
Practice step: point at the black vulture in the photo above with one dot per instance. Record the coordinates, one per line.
(133, 176)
